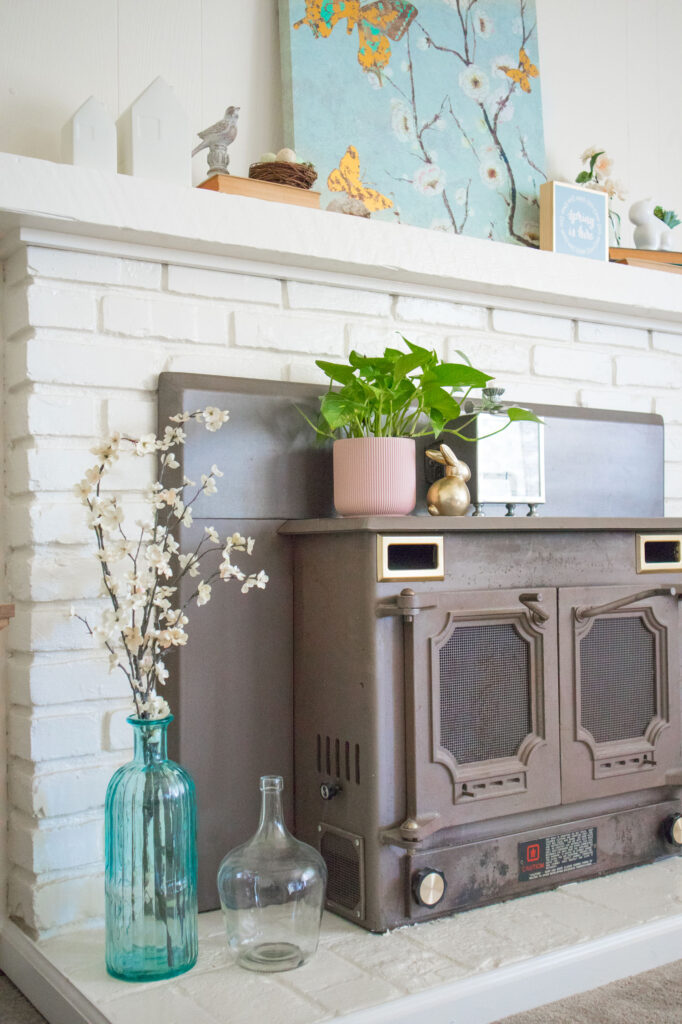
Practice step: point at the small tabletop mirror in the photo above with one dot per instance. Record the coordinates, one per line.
(509, 467)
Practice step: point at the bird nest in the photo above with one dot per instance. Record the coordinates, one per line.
(283, 173)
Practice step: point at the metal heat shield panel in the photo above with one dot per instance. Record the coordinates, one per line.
(231, 687)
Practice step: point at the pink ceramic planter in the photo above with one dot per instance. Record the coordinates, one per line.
(374, 476)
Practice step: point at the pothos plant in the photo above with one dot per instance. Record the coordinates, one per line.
(141, 575)
(403, 394)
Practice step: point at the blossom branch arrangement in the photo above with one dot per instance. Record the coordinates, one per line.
(141, 576)
(597, 175)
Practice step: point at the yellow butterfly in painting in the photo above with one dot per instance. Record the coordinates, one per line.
(346, 178)
(523, 73)
(376, 22)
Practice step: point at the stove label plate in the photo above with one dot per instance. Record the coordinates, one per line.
(556, 855)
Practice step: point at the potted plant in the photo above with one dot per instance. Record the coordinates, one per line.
(375, 408)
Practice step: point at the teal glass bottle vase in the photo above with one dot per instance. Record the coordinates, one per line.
(150, 862)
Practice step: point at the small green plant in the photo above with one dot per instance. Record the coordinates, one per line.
(402, 394)
(669, 217)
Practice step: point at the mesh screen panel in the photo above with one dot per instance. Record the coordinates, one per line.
(617, 678)
(343, 864)
(484, 692)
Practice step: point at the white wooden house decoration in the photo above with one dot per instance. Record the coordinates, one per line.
(89, 138)
(154, 137)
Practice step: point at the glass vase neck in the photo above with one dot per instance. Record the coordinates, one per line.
(150, 739)
(271, 822)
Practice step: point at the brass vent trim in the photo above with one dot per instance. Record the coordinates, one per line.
(410, 557)
(658, 552)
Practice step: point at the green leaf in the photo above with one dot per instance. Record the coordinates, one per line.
(436, 398)
(515, 413)
(583, 177)
(356, 359)
(594, 158)
(437, 421)
(458, 375)
(427, 356)
(403, 393)
(406, 364)
(336, 371)
(336, 410)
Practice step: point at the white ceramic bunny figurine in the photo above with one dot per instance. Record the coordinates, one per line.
(650, 232)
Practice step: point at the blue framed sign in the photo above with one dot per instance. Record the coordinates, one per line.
(574, 220)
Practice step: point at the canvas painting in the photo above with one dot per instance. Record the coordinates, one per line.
(425, 113)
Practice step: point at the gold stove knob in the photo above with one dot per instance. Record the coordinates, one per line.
(672, 828)
(428, 887)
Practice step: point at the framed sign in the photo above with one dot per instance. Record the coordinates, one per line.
(574, 220)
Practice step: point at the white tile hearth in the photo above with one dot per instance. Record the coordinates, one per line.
(472, 968)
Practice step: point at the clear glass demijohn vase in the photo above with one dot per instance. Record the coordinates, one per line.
(272, 892)
(150, 862)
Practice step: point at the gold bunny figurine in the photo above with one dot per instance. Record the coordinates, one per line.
(449, 496)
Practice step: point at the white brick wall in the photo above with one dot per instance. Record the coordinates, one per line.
(86, 337)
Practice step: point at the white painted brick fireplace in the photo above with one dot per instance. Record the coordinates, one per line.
(107, 282)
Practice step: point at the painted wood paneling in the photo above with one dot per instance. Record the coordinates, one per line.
(160, 37)
(53, 56)
(240, 67)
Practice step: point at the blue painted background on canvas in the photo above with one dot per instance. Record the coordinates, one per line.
(427, 113)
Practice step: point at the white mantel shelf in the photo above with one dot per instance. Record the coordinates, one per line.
(58, 204)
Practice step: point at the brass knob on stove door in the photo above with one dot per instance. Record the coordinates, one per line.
(428, 887)
(672, 829)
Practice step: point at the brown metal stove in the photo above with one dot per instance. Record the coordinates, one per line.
(483, 707)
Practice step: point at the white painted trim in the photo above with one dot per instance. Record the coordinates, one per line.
(314, 275)
(492, 995)
(41, 195)
(482, 999)
(53, 995)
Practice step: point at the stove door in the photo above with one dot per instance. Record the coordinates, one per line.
(620, 718)
(482, 731)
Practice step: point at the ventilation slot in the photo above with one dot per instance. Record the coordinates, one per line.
(338, 758)
(485, 707)
(617, 678)
(342, 854)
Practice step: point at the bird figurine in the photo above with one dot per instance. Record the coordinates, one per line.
(216, 139)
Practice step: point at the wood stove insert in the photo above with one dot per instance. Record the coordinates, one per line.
(507, 728)
(232, 688)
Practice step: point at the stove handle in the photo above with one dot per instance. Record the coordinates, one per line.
(600, 609)
(538, 615)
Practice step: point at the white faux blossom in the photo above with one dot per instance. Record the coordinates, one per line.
(429, 180)
(141, 576)
(474, 82)
(214, 418)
